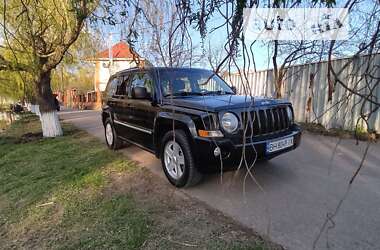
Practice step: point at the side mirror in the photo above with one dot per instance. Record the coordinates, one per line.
(140, 93)
(234, 89)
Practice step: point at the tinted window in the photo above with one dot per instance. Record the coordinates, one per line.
(142, 79)
(122, 88)
(112, 86)
(192, 82)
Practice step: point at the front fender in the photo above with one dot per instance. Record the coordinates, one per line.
(105, 114)
(164, 123)
(179, 118)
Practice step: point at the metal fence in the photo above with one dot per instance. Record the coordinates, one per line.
(306, 86)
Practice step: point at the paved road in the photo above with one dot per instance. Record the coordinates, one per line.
(298, 190)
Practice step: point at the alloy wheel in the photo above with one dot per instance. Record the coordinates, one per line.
(174, 160)
(109, 134)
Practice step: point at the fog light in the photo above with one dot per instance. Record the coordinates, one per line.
(217, 152)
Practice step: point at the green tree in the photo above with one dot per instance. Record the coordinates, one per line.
(79, 76)
(37, 34)
(75, 70)
(15, 85)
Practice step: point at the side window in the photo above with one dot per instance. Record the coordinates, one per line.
(112, 86)
(142, 79)
(122, 88)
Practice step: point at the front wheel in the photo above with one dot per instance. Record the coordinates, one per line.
(113, 142)
(178, 161)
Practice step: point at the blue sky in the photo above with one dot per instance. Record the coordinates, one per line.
(218, 38)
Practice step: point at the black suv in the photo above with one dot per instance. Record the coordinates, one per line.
(194, 122)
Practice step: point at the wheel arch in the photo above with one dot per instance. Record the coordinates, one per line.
(105, 115)
(164, 123)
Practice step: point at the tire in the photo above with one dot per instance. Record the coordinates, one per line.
(184, 158)
(113, 141)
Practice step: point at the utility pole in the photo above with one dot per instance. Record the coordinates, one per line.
(110, 47)
(110, 54)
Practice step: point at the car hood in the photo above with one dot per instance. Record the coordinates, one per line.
(222, 102)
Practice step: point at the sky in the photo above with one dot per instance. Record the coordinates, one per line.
(218, 38)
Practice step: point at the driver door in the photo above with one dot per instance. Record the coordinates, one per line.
(143, 111)
(123, 112)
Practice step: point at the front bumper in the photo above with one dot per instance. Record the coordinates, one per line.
(232, 152)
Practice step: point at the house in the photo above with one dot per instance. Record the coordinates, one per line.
(109, 61)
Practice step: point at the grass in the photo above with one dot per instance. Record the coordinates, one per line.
(360, 133)
(73, 193)
(67, 173)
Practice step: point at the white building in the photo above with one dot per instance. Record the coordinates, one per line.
(109, 61)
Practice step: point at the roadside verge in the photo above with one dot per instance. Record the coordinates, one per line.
(71, 192)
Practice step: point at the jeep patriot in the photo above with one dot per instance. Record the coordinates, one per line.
(194, 122)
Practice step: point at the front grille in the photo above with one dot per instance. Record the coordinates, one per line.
(265, 121)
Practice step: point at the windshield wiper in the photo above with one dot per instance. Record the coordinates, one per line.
(219, 92)
(184, 94)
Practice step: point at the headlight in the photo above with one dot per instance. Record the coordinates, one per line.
(290, 114)
(229, 122)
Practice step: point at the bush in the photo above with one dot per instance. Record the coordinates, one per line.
(4, 107)
(3, 125)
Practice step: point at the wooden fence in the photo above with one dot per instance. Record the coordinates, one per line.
(307, 88)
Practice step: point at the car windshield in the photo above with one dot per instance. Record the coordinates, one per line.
(189, 82)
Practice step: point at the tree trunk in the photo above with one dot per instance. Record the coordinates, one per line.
(51, 126)
(276, 71)
(279, 82)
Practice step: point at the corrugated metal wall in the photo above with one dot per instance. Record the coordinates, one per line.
(307, 83)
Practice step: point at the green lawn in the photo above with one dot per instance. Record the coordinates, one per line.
(60, 180)
(72, 192)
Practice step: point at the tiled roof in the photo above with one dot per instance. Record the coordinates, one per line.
(119, 50)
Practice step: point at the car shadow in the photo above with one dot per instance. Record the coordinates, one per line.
(264, 174)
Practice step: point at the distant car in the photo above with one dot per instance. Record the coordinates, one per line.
(192, 120)
(17, 107)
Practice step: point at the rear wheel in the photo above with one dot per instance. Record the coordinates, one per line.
(113, 142)
(178, 161)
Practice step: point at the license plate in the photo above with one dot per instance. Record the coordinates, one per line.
(277, 145)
